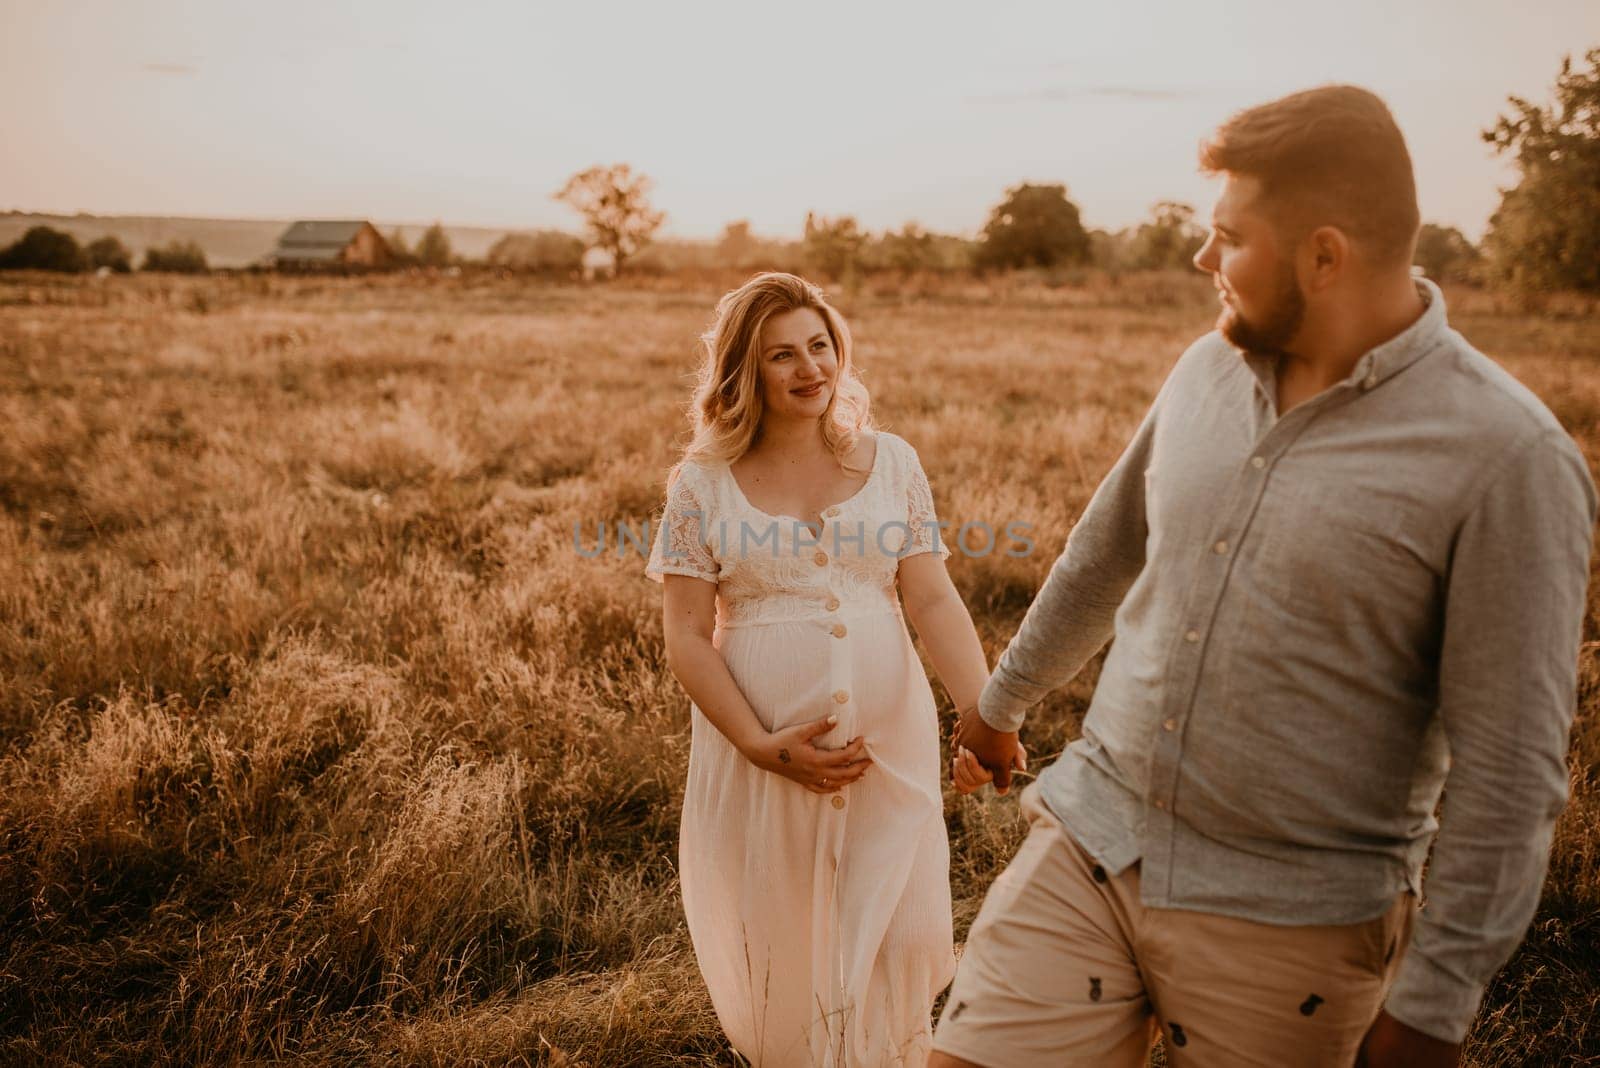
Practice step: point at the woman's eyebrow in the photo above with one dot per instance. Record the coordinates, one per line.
(786, 345)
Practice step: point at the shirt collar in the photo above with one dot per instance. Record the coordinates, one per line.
(1409, 345)
(1384, 361)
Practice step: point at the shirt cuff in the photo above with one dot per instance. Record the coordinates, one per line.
(1431, 1000)
(999, 709)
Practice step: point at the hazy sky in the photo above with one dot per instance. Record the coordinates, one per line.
(475, 113)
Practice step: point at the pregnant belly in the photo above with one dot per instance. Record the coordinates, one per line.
(793, 673)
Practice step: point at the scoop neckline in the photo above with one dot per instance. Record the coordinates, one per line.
(877, 462)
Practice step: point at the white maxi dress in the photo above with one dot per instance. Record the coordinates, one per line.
(821, 923)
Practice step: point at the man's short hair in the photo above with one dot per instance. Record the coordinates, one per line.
(1326, 156)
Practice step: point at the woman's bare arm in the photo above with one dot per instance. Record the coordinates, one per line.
(689, 618)
(934, 606)
(936, 610)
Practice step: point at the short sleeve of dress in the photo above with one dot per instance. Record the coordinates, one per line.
(925, 533)
(680, 543)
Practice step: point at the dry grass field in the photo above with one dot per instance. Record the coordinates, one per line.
(320, 741)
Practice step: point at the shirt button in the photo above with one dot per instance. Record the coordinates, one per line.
(1258, 462)
(821, 558)
(833, 604)
(1220, 548)
(1170, 725)
(840, 696)
(831, 512)
(837, 802)
(1192, 636)
(1162, 805)
(838, 630)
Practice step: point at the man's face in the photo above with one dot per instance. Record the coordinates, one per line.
(1262, 306)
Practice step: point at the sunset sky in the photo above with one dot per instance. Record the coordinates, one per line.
(474, 113)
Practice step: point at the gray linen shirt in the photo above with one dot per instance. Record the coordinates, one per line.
(1321, 621)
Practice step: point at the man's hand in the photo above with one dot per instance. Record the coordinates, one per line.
(997, 751)
(1392, 1044)
(970, 776)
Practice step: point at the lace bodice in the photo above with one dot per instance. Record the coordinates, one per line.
(774, 569)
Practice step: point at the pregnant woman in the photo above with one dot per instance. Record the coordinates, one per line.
(812, 854)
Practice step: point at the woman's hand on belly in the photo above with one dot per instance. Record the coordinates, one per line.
(793, 754)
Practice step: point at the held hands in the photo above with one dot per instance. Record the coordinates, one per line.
(792, 754)
(981, 754)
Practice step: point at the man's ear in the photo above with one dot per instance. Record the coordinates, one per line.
(1327, 256)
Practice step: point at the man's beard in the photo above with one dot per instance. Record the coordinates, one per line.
(1272, 332)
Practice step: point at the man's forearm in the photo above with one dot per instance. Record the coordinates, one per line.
(1073, 614)
(1070, 620)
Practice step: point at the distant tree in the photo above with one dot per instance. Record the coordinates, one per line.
(1035, 226)
(1110, 250)
(177, 257)
(433, 249)
(543, 251)
(400, 253)
(1445, 254)
(615, 206)
(1169, 239)
(44, 249)
(833, 247)
(737, 245)
(951, 252)
(911, 249)
(1546, 233)
(109, 252)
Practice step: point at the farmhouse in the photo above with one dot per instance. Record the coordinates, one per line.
(331, 244)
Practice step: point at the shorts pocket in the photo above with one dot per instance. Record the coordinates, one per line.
(1386, 935)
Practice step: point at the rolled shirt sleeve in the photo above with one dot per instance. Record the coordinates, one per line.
(1514, 607)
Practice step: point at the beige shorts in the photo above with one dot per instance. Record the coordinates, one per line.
(1063, 966)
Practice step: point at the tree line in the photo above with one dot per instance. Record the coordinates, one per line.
(1033, 226)
(42, 248)
(1545, 234)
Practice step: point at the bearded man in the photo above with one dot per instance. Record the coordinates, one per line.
(1344, 561)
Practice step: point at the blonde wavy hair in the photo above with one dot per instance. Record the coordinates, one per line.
(725, 414)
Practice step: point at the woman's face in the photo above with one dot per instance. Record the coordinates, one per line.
(798, 364)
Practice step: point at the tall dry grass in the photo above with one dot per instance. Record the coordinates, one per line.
(322, 742)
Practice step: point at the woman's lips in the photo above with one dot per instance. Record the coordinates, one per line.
(808, 391)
